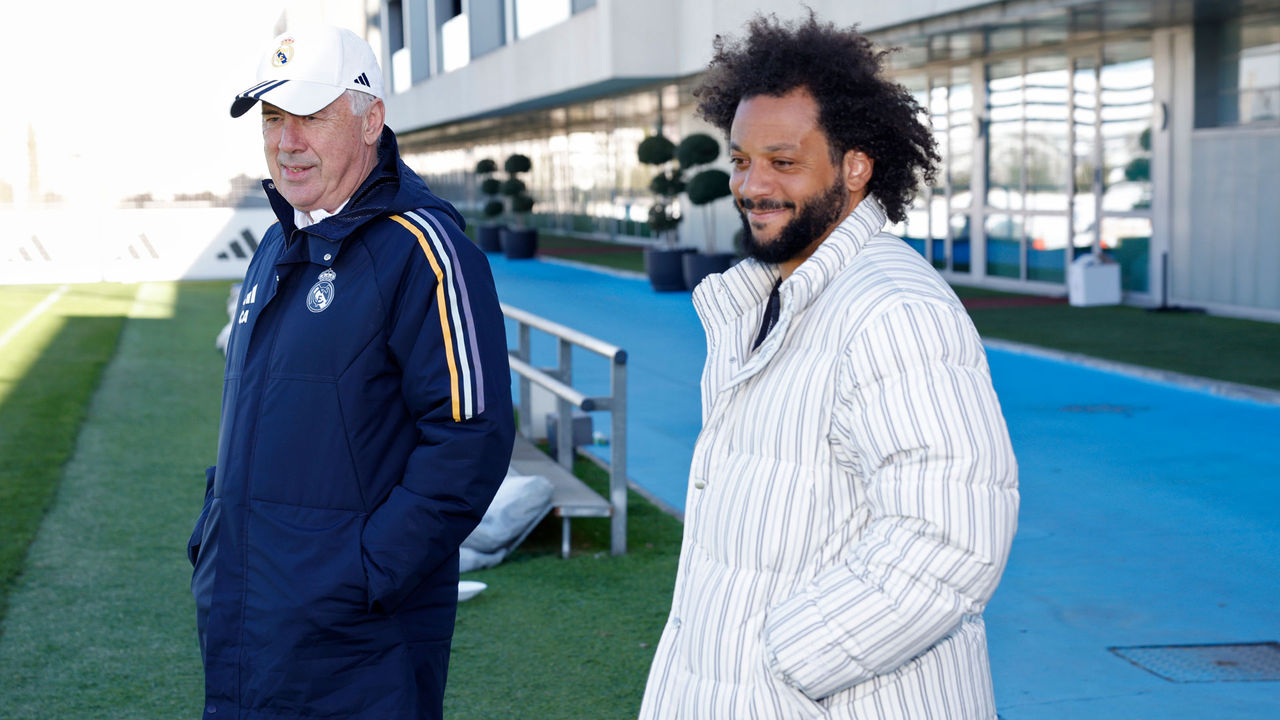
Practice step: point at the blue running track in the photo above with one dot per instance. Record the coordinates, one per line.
(1150, 512)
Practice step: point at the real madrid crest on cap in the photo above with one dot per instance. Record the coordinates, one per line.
(283, 53)
(320, 297)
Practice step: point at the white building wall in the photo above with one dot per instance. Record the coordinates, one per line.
(615, 40)
(1230, 259)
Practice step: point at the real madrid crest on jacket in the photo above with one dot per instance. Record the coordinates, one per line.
(366, 425)
(322, 292)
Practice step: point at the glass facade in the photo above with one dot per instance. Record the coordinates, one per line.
(959, 168)
(1126, 107)
(1085, 153)
(1068, 157)
(1005, 119)
(585, 176)
(1044, 129)
(1048, 167)
(1064, 137)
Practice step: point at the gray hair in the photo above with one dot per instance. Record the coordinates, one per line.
(360, 102)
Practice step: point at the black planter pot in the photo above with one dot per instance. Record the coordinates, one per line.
(488, 237)
(665, 269)
(697, 266)
(519, 243)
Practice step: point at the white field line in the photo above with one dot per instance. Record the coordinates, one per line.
(32, 314)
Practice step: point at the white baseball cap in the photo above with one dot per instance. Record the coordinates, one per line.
(306, 69)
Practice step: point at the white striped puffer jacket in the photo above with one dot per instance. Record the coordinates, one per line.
(852, 497)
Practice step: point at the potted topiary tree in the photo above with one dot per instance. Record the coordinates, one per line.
(488, 235)
(704, 189)
(662, 262)
(519, 242)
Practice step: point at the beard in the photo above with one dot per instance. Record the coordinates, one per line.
(817, 217)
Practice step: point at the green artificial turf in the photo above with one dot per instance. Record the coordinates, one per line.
(101, 624)
(557, 638)
(613, 255)
(1240, 351)
(49, 367)
(618, 256)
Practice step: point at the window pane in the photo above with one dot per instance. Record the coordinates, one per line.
(1004, 133)
(1260, 69)
(1128, 240)
(1004, 245)
(1046, 249)
(916, 227)
(1048, 157)
(960, 129)
(960, 242)
(939, 123)
(534, 16)
(1084, 149)
(1126, 97)
(1260, 76)
(1239, 82)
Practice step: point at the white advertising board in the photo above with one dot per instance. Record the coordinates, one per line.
(133, 245)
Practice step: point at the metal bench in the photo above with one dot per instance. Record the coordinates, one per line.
(570, 496)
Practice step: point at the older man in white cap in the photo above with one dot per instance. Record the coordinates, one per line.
(366, 415)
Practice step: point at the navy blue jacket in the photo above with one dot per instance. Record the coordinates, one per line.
(366, 425)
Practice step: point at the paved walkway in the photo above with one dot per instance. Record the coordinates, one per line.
(1150, 512)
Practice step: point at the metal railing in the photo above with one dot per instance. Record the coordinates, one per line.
(559, 381)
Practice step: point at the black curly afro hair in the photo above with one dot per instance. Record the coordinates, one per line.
(858, 109)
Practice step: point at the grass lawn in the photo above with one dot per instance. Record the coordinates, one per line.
(1241, 351)
(100, 623)
(556, 638)
(617, 256)
(49, 367)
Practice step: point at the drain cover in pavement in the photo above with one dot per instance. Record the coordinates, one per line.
(1241, 662)
(1105, 409)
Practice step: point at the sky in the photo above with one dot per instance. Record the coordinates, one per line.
(130, 96)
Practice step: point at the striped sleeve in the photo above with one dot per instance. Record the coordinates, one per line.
(917, 412)
(453, 308)
(445, 334)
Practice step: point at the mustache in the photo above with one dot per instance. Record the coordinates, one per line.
(765, 204)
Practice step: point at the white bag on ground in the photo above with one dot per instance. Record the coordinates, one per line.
(521, 502)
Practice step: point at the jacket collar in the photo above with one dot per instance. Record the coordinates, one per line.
(745, 287)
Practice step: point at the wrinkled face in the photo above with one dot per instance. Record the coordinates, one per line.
(318, 161)
(789, 192)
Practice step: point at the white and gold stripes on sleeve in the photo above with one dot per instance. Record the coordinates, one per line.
(457, 325)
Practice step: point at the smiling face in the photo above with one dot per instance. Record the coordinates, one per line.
(318, 161)
(790, 193)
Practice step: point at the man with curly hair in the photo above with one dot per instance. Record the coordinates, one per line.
(853, 492)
